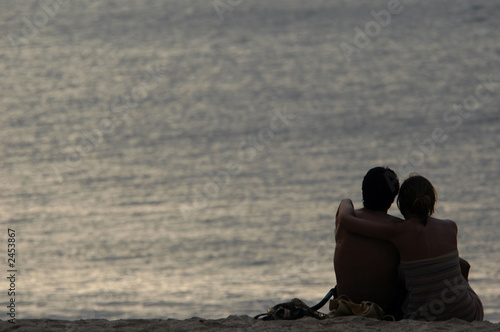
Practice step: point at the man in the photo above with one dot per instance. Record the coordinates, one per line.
(367, 269)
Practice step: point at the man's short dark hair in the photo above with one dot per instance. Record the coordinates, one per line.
(380, 187)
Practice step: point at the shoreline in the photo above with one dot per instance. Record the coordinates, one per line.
(245, 323)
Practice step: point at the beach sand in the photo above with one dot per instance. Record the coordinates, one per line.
(245, 323)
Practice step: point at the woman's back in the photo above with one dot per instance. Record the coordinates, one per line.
(430, 265)
(418, 241)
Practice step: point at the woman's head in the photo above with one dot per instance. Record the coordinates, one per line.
(417, 198)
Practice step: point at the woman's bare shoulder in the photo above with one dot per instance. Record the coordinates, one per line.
(446, 223)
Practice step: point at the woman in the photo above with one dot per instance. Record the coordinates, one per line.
(429, 256)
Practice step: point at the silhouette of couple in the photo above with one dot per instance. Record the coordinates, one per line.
(409, 267)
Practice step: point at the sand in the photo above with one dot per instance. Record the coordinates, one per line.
(245, 323)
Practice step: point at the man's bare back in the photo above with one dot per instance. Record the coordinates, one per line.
(367, 269)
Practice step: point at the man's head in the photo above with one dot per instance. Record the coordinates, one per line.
(380, 187)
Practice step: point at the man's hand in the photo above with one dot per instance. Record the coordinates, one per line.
(346, 203)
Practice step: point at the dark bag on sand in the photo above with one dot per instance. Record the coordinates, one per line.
(297, 309)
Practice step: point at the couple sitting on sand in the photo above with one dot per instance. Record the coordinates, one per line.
(410, 267)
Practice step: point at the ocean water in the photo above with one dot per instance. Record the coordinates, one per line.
(170, 159)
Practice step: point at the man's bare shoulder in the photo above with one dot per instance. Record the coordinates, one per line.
(392, 218)
(377, 216)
